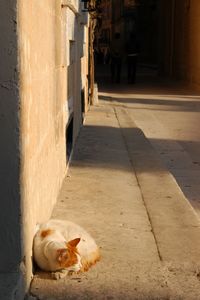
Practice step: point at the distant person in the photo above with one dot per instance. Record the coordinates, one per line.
(116, 54)
(132, 57)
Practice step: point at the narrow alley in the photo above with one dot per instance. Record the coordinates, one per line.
(128, 180)
(99, 125)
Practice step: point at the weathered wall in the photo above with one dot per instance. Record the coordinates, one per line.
(179, 39)
(35, 39)
(194, 42)
(43, 97)
(10, 236)
(45, 29)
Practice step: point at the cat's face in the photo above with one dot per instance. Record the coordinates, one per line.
(69, 258)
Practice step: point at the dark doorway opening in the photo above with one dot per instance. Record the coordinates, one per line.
(82, 104)
(69, 139)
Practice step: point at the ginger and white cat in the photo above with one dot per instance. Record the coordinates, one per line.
(64, 246)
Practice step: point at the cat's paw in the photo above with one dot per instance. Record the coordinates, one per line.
(59, 275)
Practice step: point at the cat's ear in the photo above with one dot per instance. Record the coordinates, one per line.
(73, 243)
(61, 255)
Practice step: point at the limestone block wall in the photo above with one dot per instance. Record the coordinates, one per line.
(48, 45)
(43, 80)
(39, 41)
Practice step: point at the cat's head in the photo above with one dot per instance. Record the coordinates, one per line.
(69, 258)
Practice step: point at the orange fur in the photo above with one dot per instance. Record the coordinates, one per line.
(90, 261)
(67, 257)
(73, 243)
(72, 258)
(46, 232)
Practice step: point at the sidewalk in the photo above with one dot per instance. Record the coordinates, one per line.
(118, 190)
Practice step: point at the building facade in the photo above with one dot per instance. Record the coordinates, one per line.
(104, 29)
(44, 93)
(167, 32)
(179, 45)
(117, 16)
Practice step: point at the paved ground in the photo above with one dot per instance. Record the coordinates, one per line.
(121, 189)
(169, 115)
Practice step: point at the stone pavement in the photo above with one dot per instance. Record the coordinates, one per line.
(168, 113)
(118, 189)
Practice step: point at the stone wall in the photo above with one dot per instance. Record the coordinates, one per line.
(10, 229)
(42, 96)
(187, 56)
(179, 40)
(40, 41)
(11, 250)
(48, 31)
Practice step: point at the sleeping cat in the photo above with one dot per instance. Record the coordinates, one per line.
(64, 246)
